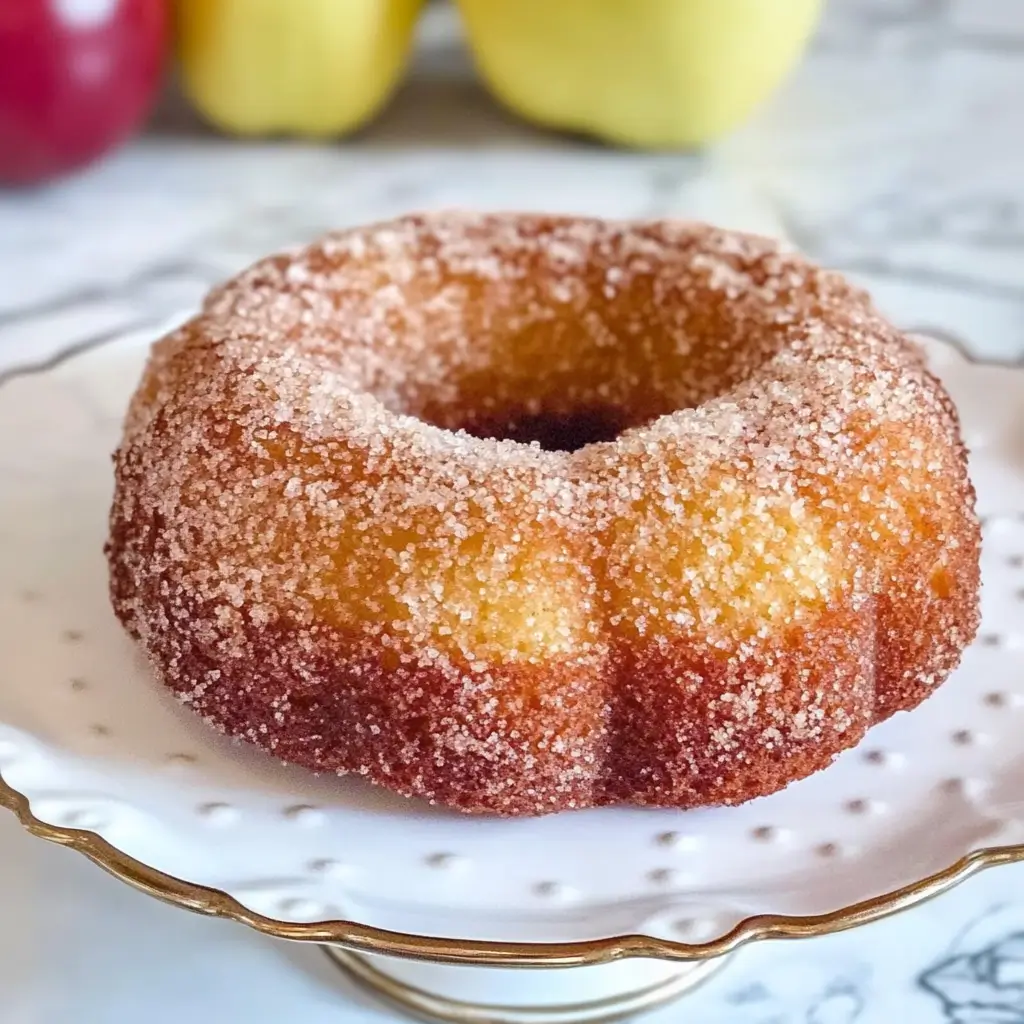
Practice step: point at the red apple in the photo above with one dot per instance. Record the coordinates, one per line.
(76, 78)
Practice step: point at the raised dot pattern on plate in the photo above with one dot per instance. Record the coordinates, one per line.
(1002, 699)
(680, 841)
(305, 815)
(330, 868)
(864, 805)
(964, 737)
(446, 861)
(667, 876)
(554, 890)
(219, 813)
(884, 758)
(969, 788)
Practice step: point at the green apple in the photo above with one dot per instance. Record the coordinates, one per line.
(654, 73)
(316, 68)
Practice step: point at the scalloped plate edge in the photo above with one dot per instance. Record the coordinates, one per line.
(369, 939)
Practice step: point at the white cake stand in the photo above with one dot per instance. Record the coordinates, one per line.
(430, 908)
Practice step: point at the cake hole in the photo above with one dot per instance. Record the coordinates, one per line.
(30, 596)
(963, 737)
(73, 636)
(996, 699)
(100, 731)
(990, 640)
(827, 850)
(584, 358)
(78, 685)
(566, 432)
(765, 834)
(1015, 561)
(685, 927)
(181, 760)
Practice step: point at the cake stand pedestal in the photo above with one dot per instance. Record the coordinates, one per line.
(505, 995)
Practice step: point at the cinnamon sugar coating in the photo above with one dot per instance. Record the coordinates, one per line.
(358, 522)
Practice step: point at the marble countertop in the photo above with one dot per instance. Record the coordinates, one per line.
(896, 154)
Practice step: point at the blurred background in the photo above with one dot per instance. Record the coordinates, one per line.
(149, 148)
(887, 145)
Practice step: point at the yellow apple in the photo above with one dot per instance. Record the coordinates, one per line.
(654, 73)
(303, 67)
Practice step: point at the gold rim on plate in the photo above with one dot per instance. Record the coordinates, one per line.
(364, 938)
(368, 939)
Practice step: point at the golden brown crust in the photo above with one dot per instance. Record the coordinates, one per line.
(324, 550)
